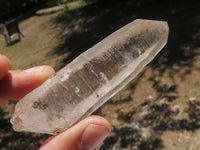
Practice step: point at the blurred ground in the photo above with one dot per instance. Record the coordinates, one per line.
(160, 109)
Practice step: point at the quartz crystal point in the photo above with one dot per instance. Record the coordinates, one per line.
(91, 79)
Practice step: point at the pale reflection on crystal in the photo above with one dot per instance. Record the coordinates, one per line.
(91, 79)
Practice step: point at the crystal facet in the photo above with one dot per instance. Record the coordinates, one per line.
(91, 79)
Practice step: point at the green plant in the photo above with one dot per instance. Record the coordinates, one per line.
(66, 9)
(51, 3)
(149, 101)
(15, 67)
(186, 95)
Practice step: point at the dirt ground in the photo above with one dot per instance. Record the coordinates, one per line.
(159, 110)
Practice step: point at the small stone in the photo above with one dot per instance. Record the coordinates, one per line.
(91, 79)
(164, 99)
(192, 98)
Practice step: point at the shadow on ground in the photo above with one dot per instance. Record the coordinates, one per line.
(160, 118)
(92, 23)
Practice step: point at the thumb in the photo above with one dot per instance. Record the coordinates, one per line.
(88, 134)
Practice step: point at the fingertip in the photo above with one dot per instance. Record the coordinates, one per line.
(36, 75)
(93, 136)
(4, 59)
(98, 120)
(5, 65)
(40, 73)
(47, 72)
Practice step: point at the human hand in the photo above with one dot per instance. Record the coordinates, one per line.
(85, 135)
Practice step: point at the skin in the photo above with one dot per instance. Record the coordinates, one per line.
(88, 134)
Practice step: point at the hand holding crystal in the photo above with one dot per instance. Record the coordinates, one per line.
(14, 84)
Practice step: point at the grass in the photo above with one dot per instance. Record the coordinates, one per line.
(197, 83)
(2, 41)
(180, 102)
(15, 67)
(141, 80)
(41, 49)
(149, 101)
(186, 95)
(167, 74)
(197, 61)
(34, 47)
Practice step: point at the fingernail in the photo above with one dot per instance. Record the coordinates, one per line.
(93, 136)
(34, 69)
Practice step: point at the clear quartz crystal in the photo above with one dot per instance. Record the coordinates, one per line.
(91, 79)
